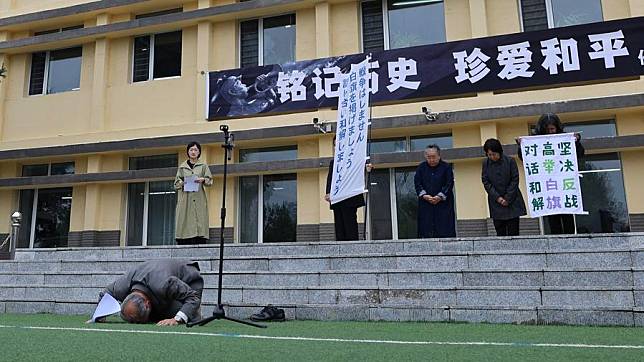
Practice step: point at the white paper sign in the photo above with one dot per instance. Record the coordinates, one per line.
(190, 183)
(552, 174)
(107, 306)
(348, 177)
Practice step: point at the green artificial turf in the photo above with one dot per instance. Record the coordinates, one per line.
(22, 344)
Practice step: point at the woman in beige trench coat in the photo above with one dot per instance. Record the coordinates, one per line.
(192, 206)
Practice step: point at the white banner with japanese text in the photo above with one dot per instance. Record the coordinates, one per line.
(350, 155)
(552, 174)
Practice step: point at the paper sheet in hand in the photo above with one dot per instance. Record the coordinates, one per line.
(107, 306)
(190, 184)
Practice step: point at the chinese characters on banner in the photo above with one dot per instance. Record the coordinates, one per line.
(552, 174)
(588, 52)
(351, 135)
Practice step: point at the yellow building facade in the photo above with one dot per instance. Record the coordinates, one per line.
(88, 145)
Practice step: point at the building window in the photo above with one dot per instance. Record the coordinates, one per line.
(267, 41)
(159, 13)
(151, 205)
(407, 144)
(602, 184)
(55, 71)
(387, 145)
(544, 14)
(393, 204)
(268, 203)
(58, 30)
(593, 129)
(393, 24)
(157, 56)
(48, 169)
(268, 208)
(46, 212)
(281, 153)
(419, 143)
(603, 195)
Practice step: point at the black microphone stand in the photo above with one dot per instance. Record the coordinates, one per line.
(219, 312)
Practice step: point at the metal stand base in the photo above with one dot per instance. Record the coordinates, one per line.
(220, 313)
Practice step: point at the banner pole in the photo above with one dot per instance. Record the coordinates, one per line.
(367, 236)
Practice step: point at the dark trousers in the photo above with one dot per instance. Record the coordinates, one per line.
(561, 224)
(346, 223)
(508, 227)
(192, 241)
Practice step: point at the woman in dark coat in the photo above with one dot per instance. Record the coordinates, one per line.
(500, 177)
(550, 123)
(434, 181)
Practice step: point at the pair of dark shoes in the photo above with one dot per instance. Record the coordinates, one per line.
(269, 314)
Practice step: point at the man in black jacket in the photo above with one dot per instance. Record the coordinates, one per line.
(167, 291)
(344, 212)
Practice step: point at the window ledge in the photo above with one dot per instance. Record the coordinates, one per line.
(51, 94)
(155, 79)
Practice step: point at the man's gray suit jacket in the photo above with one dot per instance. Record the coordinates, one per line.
(172, 285)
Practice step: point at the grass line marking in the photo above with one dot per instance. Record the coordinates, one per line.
(340, 340)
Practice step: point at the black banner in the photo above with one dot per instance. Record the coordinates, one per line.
(580, 53)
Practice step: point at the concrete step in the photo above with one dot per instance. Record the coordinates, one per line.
(574, 315)
(452, 260)
(633, 317)
(377, 278)
(462, 245)
(588, 297)
(568, 279)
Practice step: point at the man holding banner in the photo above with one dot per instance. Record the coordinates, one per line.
(552, 178)
(346, 180)
(551, 162)
(345, 212)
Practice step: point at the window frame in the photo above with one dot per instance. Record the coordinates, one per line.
(260, 208)
(159, 13)
(49, 166)
(393, 208)
(550, 16)
(260, 37)
(606, 121)
(408, 139)
(146, 202)
(34, 213)
(58, 30)
(385, 25)
(146, 197)
(261, 150)
(152, 37)
(34, 204)
(404, 139)
(45, 81)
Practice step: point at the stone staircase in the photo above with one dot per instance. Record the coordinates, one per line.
(596, 280)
